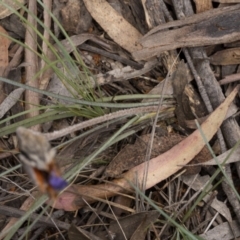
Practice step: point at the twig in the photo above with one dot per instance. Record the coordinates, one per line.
(45, 76)
(97, 120)
(230, 78)
(31, 98)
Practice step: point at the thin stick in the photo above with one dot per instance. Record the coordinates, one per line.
(97, 120)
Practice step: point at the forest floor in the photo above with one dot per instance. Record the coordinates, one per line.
(119, 119)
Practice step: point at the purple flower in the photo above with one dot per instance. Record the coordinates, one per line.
(56, 182)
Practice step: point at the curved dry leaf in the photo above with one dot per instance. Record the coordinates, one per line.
(159, 168)
(226, 57)
(10, 101)
(121, 31)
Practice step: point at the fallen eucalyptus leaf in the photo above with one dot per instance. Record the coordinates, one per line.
(159, 168)
(169, 163)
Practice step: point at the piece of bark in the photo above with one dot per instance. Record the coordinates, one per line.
(203, 5)
(4, 44)
(230, 127)
(46, 72)
(31, 98)
(153, 13)
(212, 28)
(136, 16)
(191, 19)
